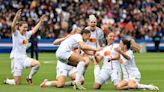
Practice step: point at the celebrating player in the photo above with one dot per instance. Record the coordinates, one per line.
(64, 70)
(66, 55)
(111, 65)
(19, 59)
(131, 73)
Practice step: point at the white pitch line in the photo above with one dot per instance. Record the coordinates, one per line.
(48, 62)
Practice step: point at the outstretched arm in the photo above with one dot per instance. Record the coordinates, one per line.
(59, 40)
(17, 16)
(135, 46)
(85, 47)
(35, 29)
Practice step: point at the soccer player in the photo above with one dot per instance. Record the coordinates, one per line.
(97, 36)
(64, 70)
(19, 59)
(111, 64)
(66, 55)
(131, 73)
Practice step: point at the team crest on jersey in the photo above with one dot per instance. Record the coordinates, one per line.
(25, 41)
(107, 53)
(92, 39)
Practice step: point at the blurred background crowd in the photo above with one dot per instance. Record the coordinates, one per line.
(141, 19)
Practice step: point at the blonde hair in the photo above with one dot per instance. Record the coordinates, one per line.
(92, 18)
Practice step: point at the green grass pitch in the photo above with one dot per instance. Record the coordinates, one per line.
(151, 66)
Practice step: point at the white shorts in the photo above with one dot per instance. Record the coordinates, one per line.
(116, 76)
(64, 56)
(106, 74)
(136, 78)
(17, 64)
(63, 69)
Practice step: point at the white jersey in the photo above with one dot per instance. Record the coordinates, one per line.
(20, 43)
(107, 52)
(96, 35)
(129, 67)
(70, 44)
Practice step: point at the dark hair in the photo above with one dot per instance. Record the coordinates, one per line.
(85, 31)
(20, 23)
(107, 33)
(127, 43)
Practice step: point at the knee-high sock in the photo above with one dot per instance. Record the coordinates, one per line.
(80, 70)
(34, 70)
(142, 86)
(69, 83)
(10, 81)
(96, 71)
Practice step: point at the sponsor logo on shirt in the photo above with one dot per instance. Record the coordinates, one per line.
(107, 53)
(92, 39)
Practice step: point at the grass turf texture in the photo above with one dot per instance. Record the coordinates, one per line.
(151, 66)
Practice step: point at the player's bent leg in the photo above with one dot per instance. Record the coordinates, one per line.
(77, 60)
(35, 67)
(17, 80)
(97, 86)
(60, 82)
(35, 63)
(122, 85)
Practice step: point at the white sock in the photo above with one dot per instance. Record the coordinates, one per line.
(80, 70)
(69, 83)
(48, 83)
(10, 81)
(142, 86)
(96, 71)
(34, 70)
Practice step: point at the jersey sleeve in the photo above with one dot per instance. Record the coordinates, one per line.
(101, 35)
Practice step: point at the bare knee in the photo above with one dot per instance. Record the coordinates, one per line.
(35, 63)
(96, 86)
(118, 87)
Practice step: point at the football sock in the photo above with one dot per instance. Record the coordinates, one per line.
(10, 81)
(48, 83)
(142, 86)
(69, 83)
(80, 70)
(96, 71)
(34, 70)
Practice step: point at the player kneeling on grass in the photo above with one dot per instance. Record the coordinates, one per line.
(111, 66)
(63, 70)
(66, 55)
(19, 59)
(131, 73)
